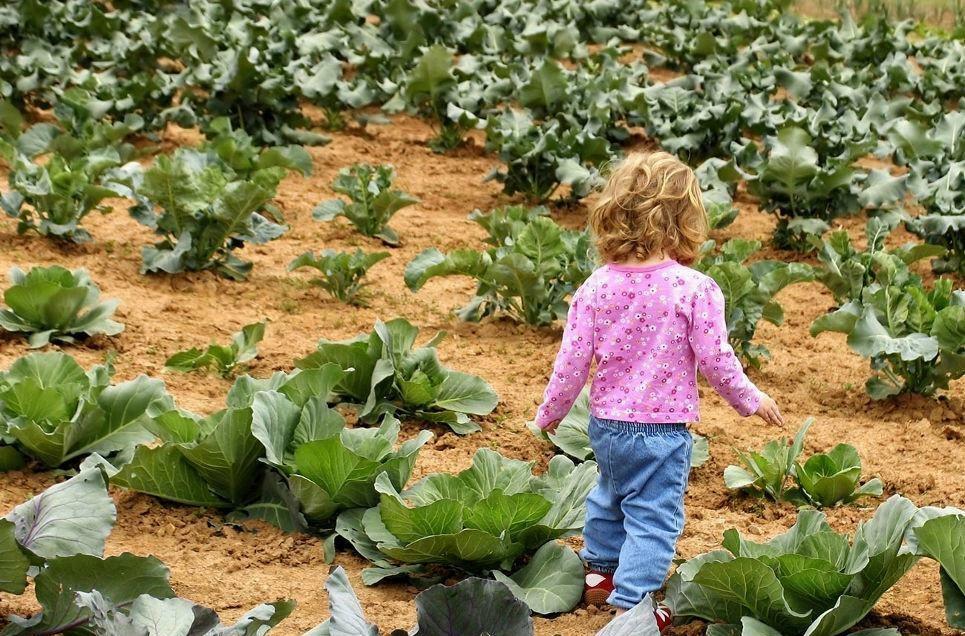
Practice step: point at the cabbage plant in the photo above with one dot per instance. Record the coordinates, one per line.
(373, 201)
(939, 534)
(79, 590)
(809, 581)
(825, 479)
(53, 303)
(218, 461)
(329, 467)
(913, 336)
(471, 606)
(283, 422)
(386, 373)
(223, 358)
(54, 411)
(527, 274)
(484, 518)
(340, 273)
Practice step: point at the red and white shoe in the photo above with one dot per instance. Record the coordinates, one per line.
(597, 587)
(663, 616)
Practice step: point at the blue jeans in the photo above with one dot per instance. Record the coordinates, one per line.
(635, 513)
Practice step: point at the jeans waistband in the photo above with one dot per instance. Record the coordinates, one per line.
(641, 428)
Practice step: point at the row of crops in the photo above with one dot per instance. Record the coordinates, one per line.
(761, 103)
(281, 451)
(788, 107)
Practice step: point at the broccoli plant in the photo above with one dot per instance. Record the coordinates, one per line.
(825, 479)
(53, 303)
(341, 273)
(749, 291)
(249, 160)
(532, 266)
(936, 159)
(540, 157)
(692, 120)
(386, 373)
(914, 337)
(434, 83)
(203, 212)
(225, 359)
(806, 190)
(846, 272)
(373, 201)
(53, 197)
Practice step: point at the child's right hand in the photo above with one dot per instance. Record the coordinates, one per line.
(767, 410)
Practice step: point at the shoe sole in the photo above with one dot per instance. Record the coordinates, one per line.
(596, 597)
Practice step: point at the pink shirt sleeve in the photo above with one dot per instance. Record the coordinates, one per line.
(572, 364)
(715, 357)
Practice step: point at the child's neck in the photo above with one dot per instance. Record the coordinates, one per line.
(656, 259)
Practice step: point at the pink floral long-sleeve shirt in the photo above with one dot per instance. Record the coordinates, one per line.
(648, 328)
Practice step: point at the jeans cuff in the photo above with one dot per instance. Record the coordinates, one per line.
(602, 568)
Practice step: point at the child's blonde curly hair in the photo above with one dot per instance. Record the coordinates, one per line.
(650, 205)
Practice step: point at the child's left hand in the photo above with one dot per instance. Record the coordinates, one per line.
(550, 428)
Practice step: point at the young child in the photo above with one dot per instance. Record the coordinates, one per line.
(649, 322)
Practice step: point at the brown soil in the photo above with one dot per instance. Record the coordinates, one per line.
(913, 444)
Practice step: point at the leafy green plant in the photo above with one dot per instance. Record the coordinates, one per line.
(430, 87)
(203, 212)
(807, 189)
(471, 606)
(373, 201)
(52, 410)
(809, 580)
(532, 266)
(915, 338)
(218, 461)
(694, 121)
(79, 590)
(53, 197)
(825, 479)
(540, 157)
(572, 436)
(328, 467)
(936, 159)
(483, 518)
(846, 271)
(749, 291)
(80, 129)
(53, 303)
(390, 375)
(241, 65)
(341, 272)
(247, 158)
(937, 533)
(250, 161)
(319, 466)
(224, 358)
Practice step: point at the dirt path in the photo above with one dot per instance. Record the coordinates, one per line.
(914, 444)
